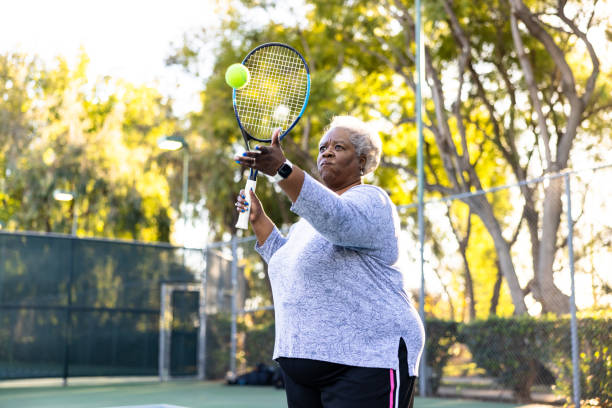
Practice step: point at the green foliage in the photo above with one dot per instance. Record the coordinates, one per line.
(259, 340)
(58, 130)
(439, 337)
(511, 349)
(514, 349)
(218, 332)
(595, 358)
(362, 60)
(218, 175)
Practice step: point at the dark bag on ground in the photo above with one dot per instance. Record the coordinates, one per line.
(262, 375)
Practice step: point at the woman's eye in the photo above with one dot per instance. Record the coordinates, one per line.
(339, 147)
(321, 148)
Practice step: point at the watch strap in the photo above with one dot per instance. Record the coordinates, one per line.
(278, 177)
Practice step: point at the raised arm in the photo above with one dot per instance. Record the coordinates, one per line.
(362, 217)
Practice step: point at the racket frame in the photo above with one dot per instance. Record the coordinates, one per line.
(243, 217)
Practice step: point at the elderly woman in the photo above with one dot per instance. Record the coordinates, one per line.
(346, 333)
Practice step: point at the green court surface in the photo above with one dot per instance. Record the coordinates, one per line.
(175, 394)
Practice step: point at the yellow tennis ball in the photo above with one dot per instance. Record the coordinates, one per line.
(237, 76)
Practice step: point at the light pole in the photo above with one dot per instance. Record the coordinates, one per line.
(176, 142)
(62, 195)
(420, 64)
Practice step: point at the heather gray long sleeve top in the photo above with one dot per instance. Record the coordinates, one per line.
(338, 291)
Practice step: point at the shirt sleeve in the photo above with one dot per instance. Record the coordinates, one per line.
(274, 241)
(362, 217)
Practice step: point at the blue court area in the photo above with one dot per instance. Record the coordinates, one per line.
(174, 394)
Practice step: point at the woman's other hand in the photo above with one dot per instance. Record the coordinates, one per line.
(243, 202)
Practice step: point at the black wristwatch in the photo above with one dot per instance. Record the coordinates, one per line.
(283, 172)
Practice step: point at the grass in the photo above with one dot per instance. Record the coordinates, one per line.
(188, 393)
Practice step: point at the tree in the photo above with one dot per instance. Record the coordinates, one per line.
(479, 78)
(98, 140)
(480, 130)
(567, 93)
(218, 177)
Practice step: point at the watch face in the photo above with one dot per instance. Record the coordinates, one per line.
(285, 170)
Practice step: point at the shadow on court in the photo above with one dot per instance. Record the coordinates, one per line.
(175, 394)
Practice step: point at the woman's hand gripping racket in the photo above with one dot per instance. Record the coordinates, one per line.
(274, 97)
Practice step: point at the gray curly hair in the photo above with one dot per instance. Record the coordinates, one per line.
(366, 141)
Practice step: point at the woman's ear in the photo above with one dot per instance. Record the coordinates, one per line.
(362, 161)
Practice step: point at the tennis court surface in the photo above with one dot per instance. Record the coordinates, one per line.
(175, 394)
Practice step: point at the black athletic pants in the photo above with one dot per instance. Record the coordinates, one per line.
(320, 384)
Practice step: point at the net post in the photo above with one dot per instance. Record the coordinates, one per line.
(165, 318)
(202, 328)
(574, 323)
(234, 311)
(68, 329)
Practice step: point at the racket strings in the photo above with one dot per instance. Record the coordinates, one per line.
(276, 92)
(276, 76)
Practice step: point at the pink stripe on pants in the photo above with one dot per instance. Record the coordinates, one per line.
(392, 379)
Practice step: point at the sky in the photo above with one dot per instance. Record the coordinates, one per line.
(127, 39)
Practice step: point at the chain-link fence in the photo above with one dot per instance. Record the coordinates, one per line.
(499, 268)
(85, 307)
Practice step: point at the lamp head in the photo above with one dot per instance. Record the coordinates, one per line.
(173, 142)
(61, 195)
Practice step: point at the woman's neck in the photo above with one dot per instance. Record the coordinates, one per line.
(342, 190)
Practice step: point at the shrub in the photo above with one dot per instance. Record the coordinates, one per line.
(259, 345)
(440, 336)
(595, 359)
(512, 349)
(218, 333)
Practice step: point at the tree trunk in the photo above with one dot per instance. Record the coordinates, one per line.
(551, 298)
(522, 390)
(469, 284)
(482, 208)
(458, 167)
(469, 288)
(544, 289)
(496, 291)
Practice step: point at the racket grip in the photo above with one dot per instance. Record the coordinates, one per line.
(243, 218)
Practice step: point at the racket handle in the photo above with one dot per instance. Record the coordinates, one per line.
(243, 218)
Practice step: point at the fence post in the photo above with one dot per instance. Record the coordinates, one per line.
(202, 317)
(165, 320)
(68, 329)
(234, 311)
(574, 324)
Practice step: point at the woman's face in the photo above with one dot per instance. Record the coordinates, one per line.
(338, 163)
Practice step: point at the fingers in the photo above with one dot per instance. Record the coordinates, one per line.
(266, 159)
(241, 202)
(247, 158)
(253, 197)
(276, 137)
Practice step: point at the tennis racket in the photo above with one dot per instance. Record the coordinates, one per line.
(275, 97)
